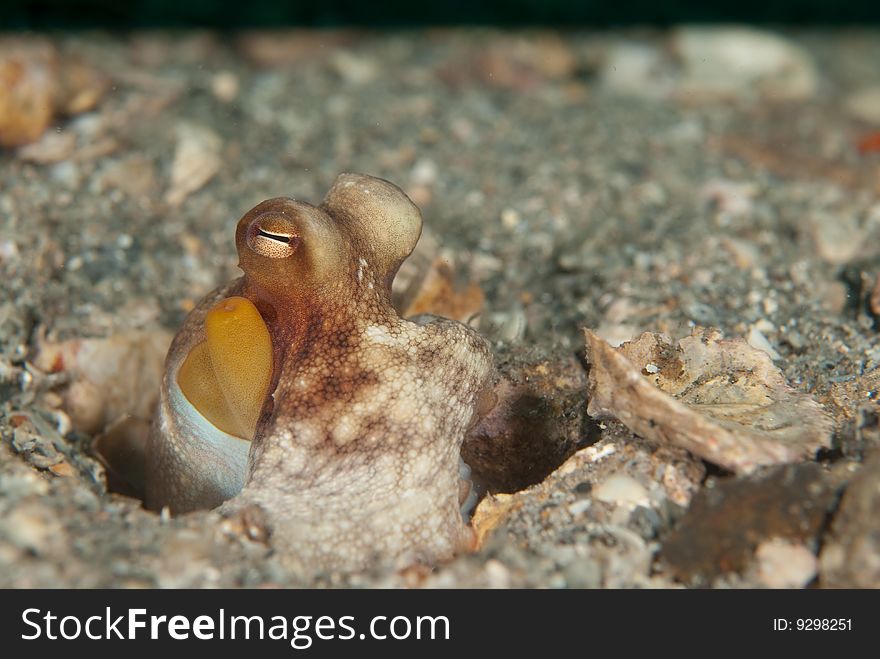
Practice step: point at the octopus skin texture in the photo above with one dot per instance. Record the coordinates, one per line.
(298, 396)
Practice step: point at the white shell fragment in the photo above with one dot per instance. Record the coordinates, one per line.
(196, 161)
(735, 61)
(720, 399)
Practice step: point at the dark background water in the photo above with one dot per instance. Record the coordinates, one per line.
(231, 14)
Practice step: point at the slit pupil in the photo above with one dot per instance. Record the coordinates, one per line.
(275, 236)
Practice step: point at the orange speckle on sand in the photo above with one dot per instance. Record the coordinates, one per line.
(62, 469)
(57, 363)
(869, 143)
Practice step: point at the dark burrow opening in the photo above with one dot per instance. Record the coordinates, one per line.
(538, 422)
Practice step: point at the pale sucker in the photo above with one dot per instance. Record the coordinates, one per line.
(299, 392)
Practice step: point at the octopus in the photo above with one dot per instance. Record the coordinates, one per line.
(298, 396)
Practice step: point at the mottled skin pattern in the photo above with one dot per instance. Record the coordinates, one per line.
(356, 454)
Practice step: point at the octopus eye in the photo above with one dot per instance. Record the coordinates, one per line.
(226, 378)
(273, 236)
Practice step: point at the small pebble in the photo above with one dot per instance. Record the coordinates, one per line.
(865, 105)
(783, 564)
(509, 218)
(225, 86)
(497, 574)
(621, 490)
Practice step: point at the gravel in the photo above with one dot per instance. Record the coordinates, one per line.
(582, 180)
